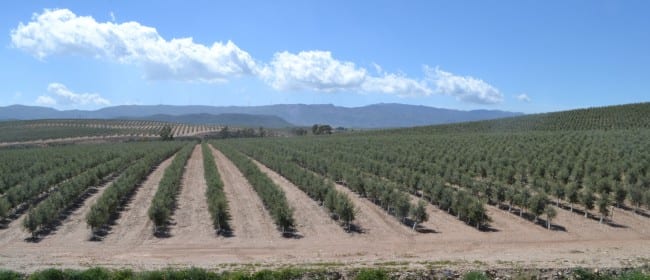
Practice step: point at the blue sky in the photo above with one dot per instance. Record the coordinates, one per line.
(527, 56)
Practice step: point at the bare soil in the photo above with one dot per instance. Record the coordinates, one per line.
(134, 227)
(250, 220)
(192, 218)
(512, 242)
(74, 228)
(312, 220)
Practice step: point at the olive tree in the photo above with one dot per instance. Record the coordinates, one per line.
(550, 213)
(419, 214)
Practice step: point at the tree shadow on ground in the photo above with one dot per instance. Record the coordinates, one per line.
(596, 218)
(518, 212)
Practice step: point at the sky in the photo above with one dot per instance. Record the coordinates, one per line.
(524, 56)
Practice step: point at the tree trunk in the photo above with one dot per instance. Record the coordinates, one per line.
(558, 202)
(548, 224)
(521, 212)
(586, 213)
(571, 207)
(601, 219)
(509, 207)
(535, 218)
(478, 225)
(414, 225)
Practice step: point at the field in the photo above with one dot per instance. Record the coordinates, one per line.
(549, 191)
(57, 131)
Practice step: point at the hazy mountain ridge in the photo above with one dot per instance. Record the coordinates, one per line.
(371, 116)
(239, 120)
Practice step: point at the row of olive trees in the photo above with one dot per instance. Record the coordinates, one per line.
(21, 165)
(603, 182)
(38, 185)
(316, 187)
(216, 198)
(48, 211)
(384, 193)
(119, 192)
(271, 195)
(164, 201)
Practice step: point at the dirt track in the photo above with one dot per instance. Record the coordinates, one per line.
(192, 219)
(134, 227)
(514, 241)
(312, 220)
(250, 220)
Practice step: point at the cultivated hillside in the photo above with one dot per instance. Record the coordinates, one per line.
(371, 116)
(238, 120)
(629, 116)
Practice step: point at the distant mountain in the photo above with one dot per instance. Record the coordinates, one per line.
(239, 120)
(371, 116)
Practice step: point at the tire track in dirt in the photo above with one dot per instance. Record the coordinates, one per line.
(312, 220)
(134, 227)
(249, 218)
(192, 218)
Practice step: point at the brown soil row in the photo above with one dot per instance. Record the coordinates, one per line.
(514, 241)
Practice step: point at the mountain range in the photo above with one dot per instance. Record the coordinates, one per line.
(383, 115)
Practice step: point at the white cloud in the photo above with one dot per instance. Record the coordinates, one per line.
(312, 70)
(467, 89)
(319, 71)
(61, 32)
(523, 97)
(60, 94)
(396, 84)
(45, 100)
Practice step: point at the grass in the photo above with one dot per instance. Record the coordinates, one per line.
(290, 273)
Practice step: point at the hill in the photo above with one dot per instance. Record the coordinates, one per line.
(371, 116)
(237, 120)
(629, 116)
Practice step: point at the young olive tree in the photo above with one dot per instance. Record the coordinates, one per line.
(419, 214)
(550, 213)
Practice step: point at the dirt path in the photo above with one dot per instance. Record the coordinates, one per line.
(249, 218)
(624, 226)
(257, 243)
(192, 217)
(14, 231)
(374, 221)
(134, 227)
(74, 228)
(442, 222)
(312, 220)
(509, 226)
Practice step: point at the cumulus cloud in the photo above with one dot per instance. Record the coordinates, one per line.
(45, 100)
(313, 70)
(319, 71)
(61, 32)
(523, 97)
(60, 94)
(464, 88)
